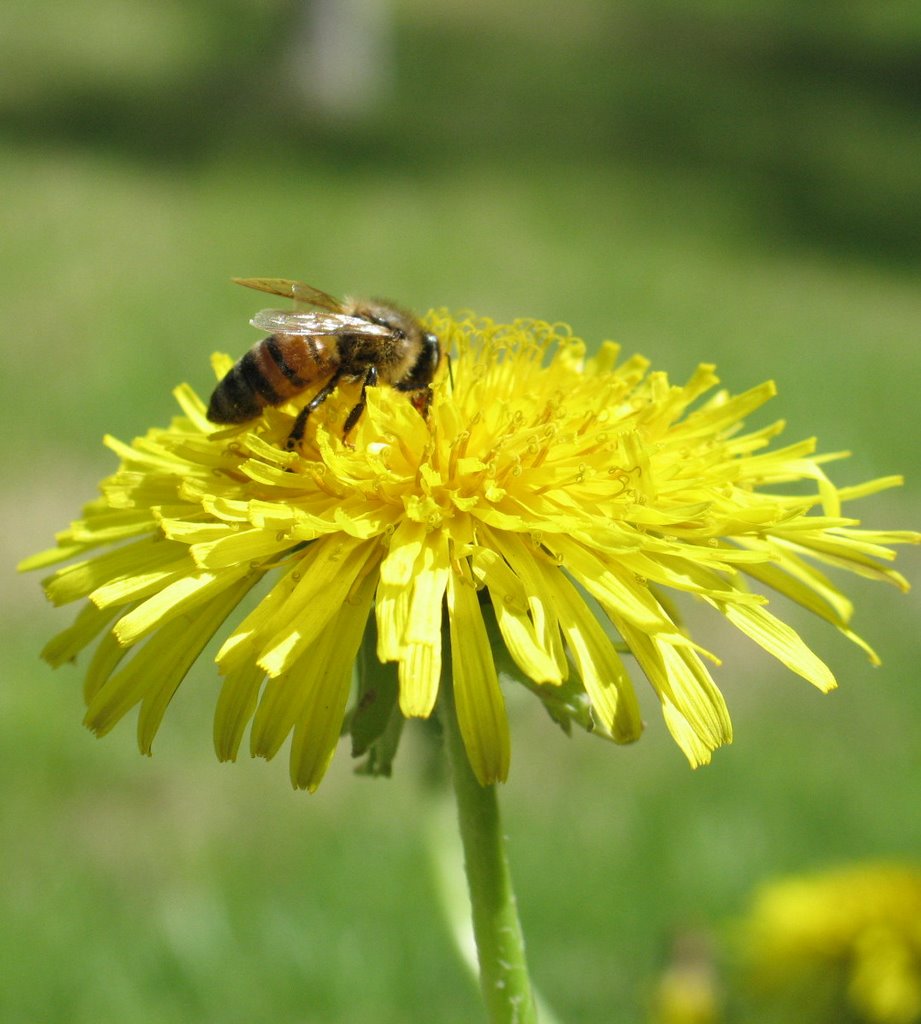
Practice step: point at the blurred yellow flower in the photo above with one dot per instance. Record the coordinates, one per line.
(859, 924)
(688, 991)
(549, 500)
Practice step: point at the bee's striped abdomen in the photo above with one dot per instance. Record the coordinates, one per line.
(234, 400)
(272, 371)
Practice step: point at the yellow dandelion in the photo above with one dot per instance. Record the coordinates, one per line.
(546, 508)
(858, 928)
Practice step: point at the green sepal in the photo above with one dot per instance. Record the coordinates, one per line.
(566, 703)
(375, 723)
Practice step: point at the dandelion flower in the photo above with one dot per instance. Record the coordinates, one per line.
(539, 520)
(857, 927)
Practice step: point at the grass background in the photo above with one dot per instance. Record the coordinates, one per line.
(699, 182)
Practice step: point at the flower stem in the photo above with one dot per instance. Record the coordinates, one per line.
(504, 977)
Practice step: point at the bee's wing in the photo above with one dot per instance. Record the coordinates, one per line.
(282, 321)
(297, 290)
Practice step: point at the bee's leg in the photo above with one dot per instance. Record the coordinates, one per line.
(355, 415)
(421, 400)
(300, 424)
(297, 431)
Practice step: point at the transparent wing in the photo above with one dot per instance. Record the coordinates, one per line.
(283, 321)
(302, 293)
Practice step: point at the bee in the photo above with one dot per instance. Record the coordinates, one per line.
(370, 341)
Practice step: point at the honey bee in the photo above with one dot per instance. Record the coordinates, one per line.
(352, 340)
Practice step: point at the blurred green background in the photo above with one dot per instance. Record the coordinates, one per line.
(701, 180)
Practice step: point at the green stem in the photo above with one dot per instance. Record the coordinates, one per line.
(504, 977)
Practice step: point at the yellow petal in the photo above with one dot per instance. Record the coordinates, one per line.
(617, 591)
(174, 663)
(246, 640)
(67, 644)
(153, 672)
(400, 560)
(327, 690)
(780, 640)
(480, 705)
(391, 609)
(237, 546)
(509, 601)
(236, 705)
(107, 572)
(694, 709)
(310, 695)
(420, 661)
(519, 555)
(329, 571)
(603, 674)
(177, 598)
